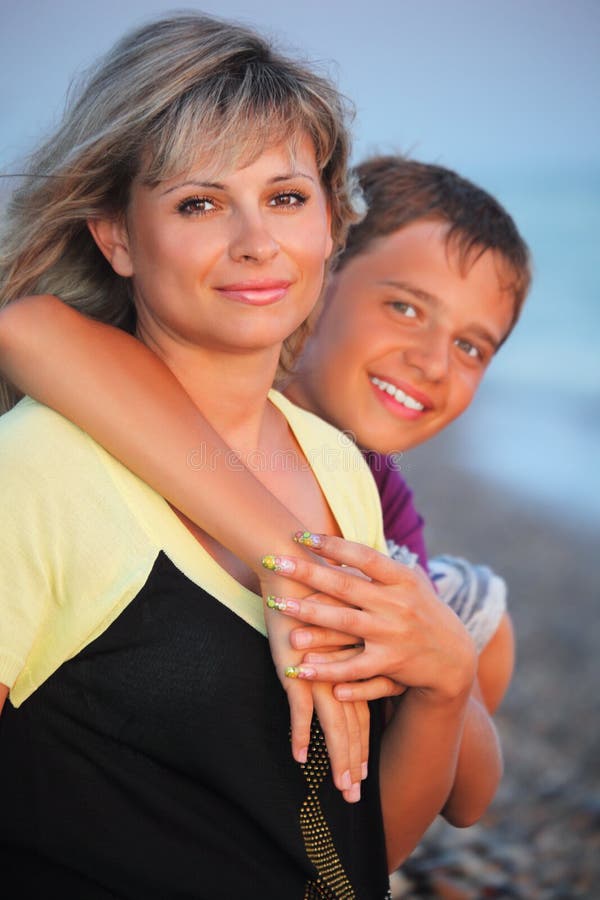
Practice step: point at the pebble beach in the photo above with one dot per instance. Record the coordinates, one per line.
(540, 839)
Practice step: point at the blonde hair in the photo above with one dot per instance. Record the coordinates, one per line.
(178, 86)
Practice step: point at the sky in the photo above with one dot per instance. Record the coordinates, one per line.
(505, 91)
(473, 84)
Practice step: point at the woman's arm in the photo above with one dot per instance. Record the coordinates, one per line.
(118, 391)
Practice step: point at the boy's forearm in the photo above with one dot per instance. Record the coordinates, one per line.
(64, 360)
(418, 764)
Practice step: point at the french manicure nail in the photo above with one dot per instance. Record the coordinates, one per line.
(275, 602)
(303, 755)
(364, 770)
(308, 538)
(346, 780)
(300, 672)
(278, 563)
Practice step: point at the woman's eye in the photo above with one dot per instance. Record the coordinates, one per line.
(470, 349)
(288, 198)
(405, 309)
(195, 206)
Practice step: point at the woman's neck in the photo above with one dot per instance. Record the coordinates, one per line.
(230, 390)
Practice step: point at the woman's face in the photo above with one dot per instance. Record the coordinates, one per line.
(230, 261)
(404, 339)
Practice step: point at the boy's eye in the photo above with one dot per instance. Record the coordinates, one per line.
(405, 309)
(470, 349)
(288, 198)
(196, 206)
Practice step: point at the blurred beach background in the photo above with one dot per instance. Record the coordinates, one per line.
(509, 95)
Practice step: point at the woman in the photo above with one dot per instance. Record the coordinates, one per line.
(198, 185)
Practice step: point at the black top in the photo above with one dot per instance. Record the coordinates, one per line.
(156, 764)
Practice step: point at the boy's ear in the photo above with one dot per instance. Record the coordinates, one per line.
(112, 240)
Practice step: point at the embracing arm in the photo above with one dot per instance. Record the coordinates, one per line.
(120, 392)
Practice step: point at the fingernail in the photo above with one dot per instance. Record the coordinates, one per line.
(343, 693)
(346, 780)
(354, 793)
(283, 603)
(278, 563)
(302, 639)
(302, 755)
(308, 538)
(364, 770)
(300, 672)
(275, 602)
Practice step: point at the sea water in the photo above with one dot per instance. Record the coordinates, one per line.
(535, 425)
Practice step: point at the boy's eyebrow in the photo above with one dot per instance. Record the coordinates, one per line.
(220, 186)
(479, 330)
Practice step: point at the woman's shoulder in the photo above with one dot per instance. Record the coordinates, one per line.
(34, 427)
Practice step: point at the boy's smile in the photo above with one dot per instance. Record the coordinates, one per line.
(407, 332)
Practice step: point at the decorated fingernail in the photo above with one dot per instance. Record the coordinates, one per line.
(283, 604)
(300, 672)
(308, 538)
(275, 602)
(278, 564)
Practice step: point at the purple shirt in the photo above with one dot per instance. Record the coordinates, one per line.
(401, 521)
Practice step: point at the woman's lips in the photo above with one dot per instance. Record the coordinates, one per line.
(256, 293)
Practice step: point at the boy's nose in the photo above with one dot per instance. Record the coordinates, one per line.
(252, 240)
(430, 354)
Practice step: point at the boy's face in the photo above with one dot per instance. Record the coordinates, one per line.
(404, 338)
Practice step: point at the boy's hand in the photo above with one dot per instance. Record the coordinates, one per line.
(406, 634)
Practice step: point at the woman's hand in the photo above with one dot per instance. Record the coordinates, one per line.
(344, 725)
(405, 634)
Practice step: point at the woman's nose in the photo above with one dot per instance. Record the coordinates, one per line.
(252, 239)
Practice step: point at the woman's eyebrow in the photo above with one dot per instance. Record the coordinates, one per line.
(290, 175)
(204, 185)
(220, 186)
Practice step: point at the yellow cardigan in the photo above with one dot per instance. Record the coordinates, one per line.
(81, 534)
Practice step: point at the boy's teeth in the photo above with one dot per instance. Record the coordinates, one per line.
(397, 394)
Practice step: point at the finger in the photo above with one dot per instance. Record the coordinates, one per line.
(377, 566)
(333, 724)
(372, 689)
(345, 619)
(300, 700)
(320, 638)
(334, 581)
(361, 666)
(364, 719)
(354, 749)
(340, 655)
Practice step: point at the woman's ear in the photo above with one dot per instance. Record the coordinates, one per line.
(113, 241)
